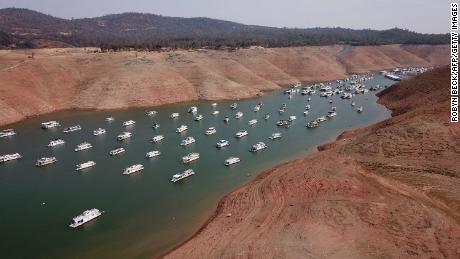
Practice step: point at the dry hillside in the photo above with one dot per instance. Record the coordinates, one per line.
(57, 79)
(390, 190)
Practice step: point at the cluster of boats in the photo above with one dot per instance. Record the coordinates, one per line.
(347, 89)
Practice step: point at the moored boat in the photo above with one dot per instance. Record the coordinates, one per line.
(222, 143)
(117, 151)
(153, 153)
(45, 161)
(187, 141)
(128, 123)
(50, 124)
(85, 165)
(9, 157)
(124, 135)
(181, 129)
(86, 216)
(231, 161)
(83, 146)
(180, 176)
(133, 169)
(210, 131)
(99, 131)
(258, 147)
(190, 157)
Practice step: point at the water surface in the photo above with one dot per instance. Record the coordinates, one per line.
(145, 213)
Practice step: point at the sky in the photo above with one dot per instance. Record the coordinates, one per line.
(427, 16)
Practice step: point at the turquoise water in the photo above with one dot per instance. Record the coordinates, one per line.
(145, 214)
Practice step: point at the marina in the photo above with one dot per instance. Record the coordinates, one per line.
(147, 206)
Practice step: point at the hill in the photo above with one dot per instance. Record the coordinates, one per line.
(390, 190)
(26, 28)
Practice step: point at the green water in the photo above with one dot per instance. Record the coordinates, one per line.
(145, 213)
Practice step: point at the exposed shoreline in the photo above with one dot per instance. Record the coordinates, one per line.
(226, 233)
(74, 79)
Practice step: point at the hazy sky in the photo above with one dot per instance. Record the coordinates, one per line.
(430, 16)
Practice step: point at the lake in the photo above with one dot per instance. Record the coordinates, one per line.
(145, 213)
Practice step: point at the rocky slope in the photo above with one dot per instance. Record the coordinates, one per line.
(390, 190)
(57, 79)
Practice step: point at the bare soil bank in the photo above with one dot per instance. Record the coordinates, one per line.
(391, 190)
(59, 79)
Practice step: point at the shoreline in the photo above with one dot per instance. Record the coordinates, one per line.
(71, 79)
(238, 203)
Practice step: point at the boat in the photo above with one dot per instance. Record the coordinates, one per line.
(331, 114)
(156, 125)
(307, 107)
(353, 103)
(215, 113)
(128, 123)
(153, 153)
(292, 118)
(199, 117)
(9, 157)
(187, 141)
(180, 176)
(312, 124)
(192, 109)
(210, 131)
(305, 113)
(99, 131)
(72, 128)
(282, 123)
(241, 133)
(226, 119)
(393, 77)
(330, 101)
(85, 165)
(7, 133)
(213, 104)
(182, 128)
(360, 109)
(281, 111)
(238, 115)
(252, 122)
(257, 108)
(56, 142)
(157, 138)
(83, 146)
(133, 169)
(85, 217)
(174, 115)
(222, 143)
(233, 106)
(50, 124)
(333, 108)
(275, 135)
(151, 113)
(45, 161)
(124, 135)
(109, 119)
(257, 147)
(117, 151)
(190, 157)
(267, 116)
(321, 119)
(232, 160)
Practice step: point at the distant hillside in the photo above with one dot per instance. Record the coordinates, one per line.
(25, 28)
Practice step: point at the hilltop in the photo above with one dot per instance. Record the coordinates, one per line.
(23, 28)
